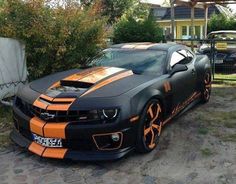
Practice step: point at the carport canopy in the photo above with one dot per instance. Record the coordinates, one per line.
(198, 4)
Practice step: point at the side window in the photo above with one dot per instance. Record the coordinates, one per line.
(181, 57)
(190, 56)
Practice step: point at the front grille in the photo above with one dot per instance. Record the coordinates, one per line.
(82, 116)
(65, 116)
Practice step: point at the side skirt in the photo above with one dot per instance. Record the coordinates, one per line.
(183, 107)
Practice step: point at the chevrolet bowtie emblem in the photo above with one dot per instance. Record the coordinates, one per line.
(47, 116)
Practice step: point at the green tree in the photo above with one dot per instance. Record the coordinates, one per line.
(132, 30)
(112, 9)
(220, 22)
(2, 2)
(86, 2)
(57, 38)
(138, 11)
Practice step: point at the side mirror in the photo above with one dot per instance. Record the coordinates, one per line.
(178, 68)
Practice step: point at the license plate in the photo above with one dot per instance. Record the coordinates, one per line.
(219, 61)
(48, 142)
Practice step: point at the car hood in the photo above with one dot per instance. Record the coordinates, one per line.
(92, 82)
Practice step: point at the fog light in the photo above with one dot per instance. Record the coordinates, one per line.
(115, 137)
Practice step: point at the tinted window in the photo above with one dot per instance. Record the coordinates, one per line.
(222, 36)
(190, 56)
(139, 61)
(181, 57)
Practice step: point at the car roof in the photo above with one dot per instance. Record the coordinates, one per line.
(223, 31)
(146, 46)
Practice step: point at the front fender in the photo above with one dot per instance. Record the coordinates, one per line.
(139, 101)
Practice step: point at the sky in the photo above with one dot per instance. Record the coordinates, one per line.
(233, 7)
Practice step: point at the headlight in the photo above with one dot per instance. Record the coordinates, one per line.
(110, 113)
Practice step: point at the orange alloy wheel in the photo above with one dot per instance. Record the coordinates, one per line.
(207, 87)
(150, 127)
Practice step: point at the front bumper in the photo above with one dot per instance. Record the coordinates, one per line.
(60, 153)
(79, 141)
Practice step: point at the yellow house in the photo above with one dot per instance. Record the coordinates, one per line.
(183, 20)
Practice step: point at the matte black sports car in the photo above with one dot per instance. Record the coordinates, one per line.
(117, 105)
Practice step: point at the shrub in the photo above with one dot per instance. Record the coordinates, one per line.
(220, 22)
(131, 30)
(57, 38)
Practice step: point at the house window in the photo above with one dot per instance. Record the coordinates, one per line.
(190, 31)
(184, 31)
(167, 32)
(197, 32)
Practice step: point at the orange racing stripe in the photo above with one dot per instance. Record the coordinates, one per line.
(69, 100)
(77, 76)
(46, 97)
(55, 130)
(91, 76)
(108, 81)
(54, 153)
(95, 77)
(85, 73)
(40, 104)
(36, 148)
(47, 152)
(36, 126)
(58, 107)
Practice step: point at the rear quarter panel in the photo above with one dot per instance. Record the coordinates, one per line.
(202, 65)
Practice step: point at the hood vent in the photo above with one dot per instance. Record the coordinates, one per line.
(76, 84)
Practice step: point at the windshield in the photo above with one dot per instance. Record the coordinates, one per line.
(149, 62)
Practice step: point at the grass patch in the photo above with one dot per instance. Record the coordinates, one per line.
(4, 139)
(203, 130)
(227, 79)
(5, 118)
(224, 90)
(215, 121)
(206, 152)
(229, 138)
(218, 118)
(230, 124)
(222, 76)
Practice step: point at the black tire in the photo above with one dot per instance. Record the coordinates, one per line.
(206, 88)
(149, 129)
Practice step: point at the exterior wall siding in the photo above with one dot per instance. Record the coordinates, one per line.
(180, 23)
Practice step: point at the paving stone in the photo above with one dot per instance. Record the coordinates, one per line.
(149, 180)
(3, 178)
(18, 171)
(98, 172)
(20, 178)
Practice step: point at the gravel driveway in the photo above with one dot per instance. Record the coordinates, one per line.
(198, 147)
